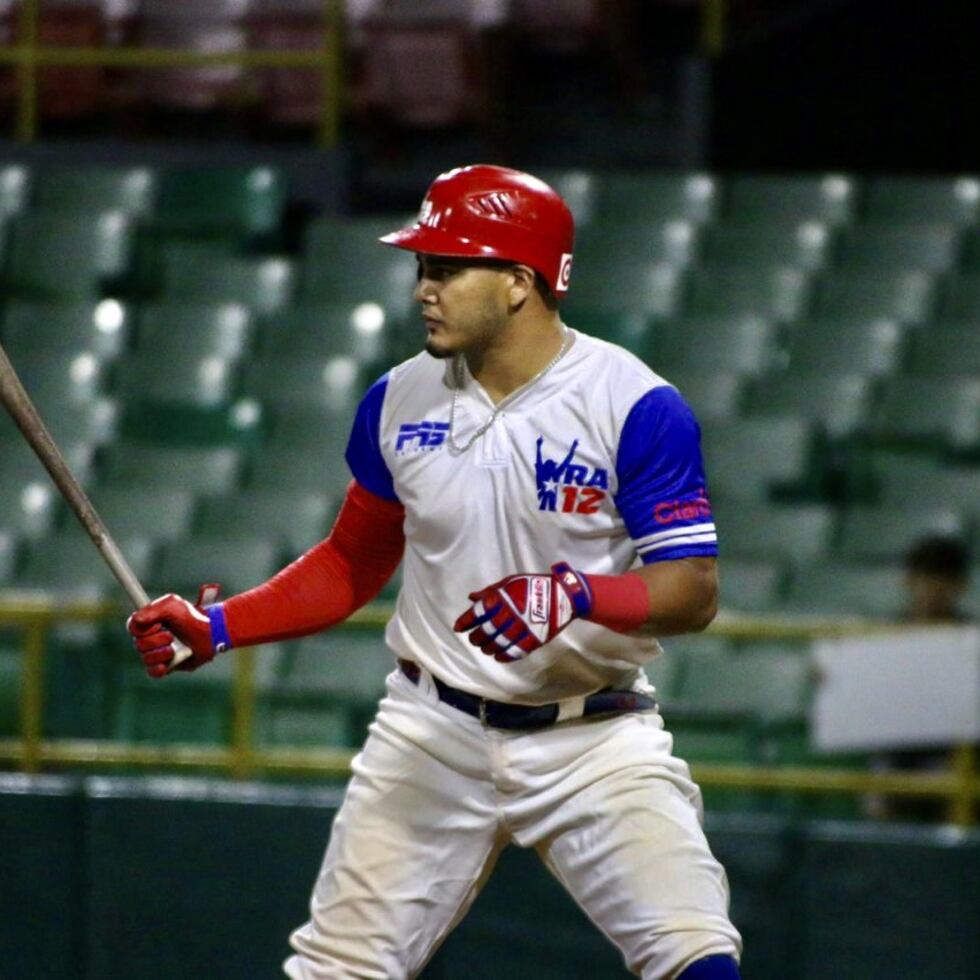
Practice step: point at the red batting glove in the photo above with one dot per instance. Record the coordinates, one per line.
(155, 626)
(518, 614)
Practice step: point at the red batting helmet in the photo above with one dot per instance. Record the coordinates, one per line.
(494, 213)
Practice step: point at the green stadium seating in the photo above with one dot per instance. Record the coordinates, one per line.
(16, 182)
(363, 331)
(334, 384)
(67, 257)
(908, 296)
(10, 673)
(240, 202)
(184, 376)
(67, 562)
(962, 300)
(198, 470)
(920, 199)
(712, 394)
(958, 486)
(745, 344)
(836, 588)
(52, 328)
(807, 244)
(313, 428)
(946, 349)
(830, 198)
(301, 468)
(578, 190)
(345, 263)
(299, 519)
(750, 584)
(793, 533)
(655, 197)
(628, 329)
(673, 242)
(933, 413)
(163, 513)
(845, 345)
(131, 190)
(193, 274)
(934, 248)
(885, 533)
(665, 672)
(746, 459)
(237, 562)
(76, 377)
(223, 330)
(840, 404)
(166, 421)
(8, 549)
(779, 292)
(644, 288)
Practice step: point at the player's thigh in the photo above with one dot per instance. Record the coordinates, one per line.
(408, 851)
(632, 853)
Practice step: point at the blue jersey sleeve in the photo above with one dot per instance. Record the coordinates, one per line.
(662, 492)
(364, 448)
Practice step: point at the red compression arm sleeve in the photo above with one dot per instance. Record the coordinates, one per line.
(329, 582)
(619, 602)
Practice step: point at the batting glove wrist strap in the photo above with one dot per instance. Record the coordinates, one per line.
(220, 638)
(513, 617)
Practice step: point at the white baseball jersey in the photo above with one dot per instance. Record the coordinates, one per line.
(596, 463)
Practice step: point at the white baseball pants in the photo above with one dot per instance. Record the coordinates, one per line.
(435, 796)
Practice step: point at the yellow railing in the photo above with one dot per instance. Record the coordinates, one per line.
(29, 55)
(242, 758)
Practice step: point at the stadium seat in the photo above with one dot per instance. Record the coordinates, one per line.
(74, 376)
(934, 413)
(16, 185)
(298, 519)
(934, 248)
(222, 330)
(946, 350)
(885, 533)
(612, 243)
(838, 588)
(28, 507)
(334, 384)
(182, 376)
(653, 196)
(316, 429)
(749, 584)
(237, 562)
(845, 345)
(628, 329)
(747, 459)
(265, 284)
(238, 203)
(962, 299)
(363, 331)
(301, 468)
(70, 257)
(745, 344)
(95, 189)
(906, 296)
(790, 533)
(712, 394)
(201, 471)
(648, 289)
(345, 263)
(52, 328)
(830, 198)
(957, 486)
(157, 513)
(808, 244)
(779, 292)
(68, 563)
(839, 403)
(578, 190)
(918, 199)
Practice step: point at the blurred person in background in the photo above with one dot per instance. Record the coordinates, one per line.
(937, 574)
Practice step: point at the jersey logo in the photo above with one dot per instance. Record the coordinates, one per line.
(567, 486)
(668, 511)
(421, 436)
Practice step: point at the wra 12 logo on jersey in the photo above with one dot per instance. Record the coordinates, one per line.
(566, 486)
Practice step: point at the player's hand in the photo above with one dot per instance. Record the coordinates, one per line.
(155, 626)
(513, 617)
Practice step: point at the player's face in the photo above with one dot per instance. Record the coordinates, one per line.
(464, 303)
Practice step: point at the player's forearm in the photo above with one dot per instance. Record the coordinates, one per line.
(661, 599)
(328, 583)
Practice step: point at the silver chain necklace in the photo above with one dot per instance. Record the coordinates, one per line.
(458, 384)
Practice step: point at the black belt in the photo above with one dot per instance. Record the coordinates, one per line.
(499, 714)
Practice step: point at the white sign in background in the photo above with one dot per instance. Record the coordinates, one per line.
(912, 688)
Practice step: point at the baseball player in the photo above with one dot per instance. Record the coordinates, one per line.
(546, 492)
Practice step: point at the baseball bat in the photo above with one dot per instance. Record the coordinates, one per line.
(18, 403)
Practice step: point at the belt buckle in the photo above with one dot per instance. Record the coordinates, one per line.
(482, 712)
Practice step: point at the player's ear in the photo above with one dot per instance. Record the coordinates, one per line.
(521, 284)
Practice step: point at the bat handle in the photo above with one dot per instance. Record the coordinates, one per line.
(181, 652)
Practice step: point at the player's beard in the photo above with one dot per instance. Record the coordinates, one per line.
(472, 336)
